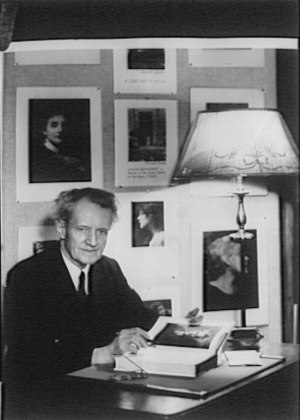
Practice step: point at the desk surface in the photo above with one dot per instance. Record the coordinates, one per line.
(271, 393)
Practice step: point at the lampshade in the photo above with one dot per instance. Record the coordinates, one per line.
(247, 142)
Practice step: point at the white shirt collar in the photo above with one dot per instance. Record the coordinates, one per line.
(75, 271)
(51, 146)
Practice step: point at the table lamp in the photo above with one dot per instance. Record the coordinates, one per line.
(237, 143)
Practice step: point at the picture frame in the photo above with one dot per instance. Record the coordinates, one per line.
(226, 57)
(215, 99)
(31, 238)
(165, 300)
(40, 177)
(230, 278)
(154, 262)
(151, 70)
(57, 57)
(148, 223)
(146, 142)
(255, 315)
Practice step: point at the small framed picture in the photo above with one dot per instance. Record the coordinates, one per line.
(217, 99)
(164, 300)
(148, 223)
(35, 239)
(58, 141)
(146, 232)
(226, 57)
(229, 276)
(41, 246)
(146, 142)
(162, 307)
(151, 70)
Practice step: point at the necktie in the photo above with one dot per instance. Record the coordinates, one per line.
(81, 287)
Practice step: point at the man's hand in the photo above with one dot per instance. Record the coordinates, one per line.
(131, 339)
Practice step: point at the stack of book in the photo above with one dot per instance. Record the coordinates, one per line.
(244, 338)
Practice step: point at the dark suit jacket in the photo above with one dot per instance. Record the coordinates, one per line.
(45, 328)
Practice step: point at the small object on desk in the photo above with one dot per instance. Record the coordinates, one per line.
(244, 339)
(130, 376)
(178, 392)
(243, 358)
(272, 356)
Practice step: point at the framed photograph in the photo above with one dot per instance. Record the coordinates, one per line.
(146, 143)
(226, 57)
(151, 70)
(165, 300)
(162, 307)
(229, 276)
(217, 99)
(148, 223)
(30, 58)
(229, 272)
(58, 140)
(34, 239)
(127, 241)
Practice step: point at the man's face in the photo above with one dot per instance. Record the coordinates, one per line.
(84, 236)
(54, 129)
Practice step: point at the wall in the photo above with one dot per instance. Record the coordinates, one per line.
(187, 207)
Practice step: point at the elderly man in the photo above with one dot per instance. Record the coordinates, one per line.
(71, 306)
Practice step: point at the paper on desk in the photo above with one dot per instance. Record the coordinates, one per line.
(243, 358)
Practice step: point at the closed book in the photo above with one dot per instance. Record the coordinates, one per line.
(168, 360)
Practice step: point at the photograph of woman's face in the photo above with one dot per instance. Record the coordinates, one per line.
(229, 272)
(55, 129)
(148, 223)
(144, 219)
(59, 140)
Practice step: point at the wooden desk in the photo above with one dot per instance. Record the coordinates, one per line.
(271, 394)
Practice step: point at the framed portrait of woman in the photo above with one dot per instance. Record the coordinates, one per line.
(58, 140)
(229, 272)
(229, 276)
(129, 239)
(148, 223)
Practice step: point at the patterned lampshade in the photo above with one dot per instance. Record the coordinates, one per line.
(247, 142)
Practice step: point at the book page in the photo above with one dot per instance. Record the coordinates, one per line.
(243, 358)
(178, 332)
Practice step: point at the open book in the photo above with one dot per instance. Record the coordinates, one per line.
(177, 349)
(170, 331)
